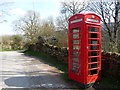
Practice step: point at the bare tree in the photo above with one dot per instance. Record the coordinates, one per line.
(28, 25)
(110, 16)
(47, 29)
(72, 7)
(32, 27)
(69, 8)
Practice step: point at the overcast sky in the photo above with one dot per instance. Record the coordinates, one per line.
(19, 8)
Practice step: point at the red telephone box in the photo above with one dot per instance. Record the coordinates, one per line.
(84, 42)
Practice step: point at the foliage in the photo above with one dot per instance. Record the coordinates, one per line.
(62, 37)
(17, 42)
(28, 25)
(5, 42)
(32, 27)
(47, 29)
(11, 42)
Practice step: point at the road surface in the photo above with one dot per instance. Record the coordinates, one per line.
(22, 71)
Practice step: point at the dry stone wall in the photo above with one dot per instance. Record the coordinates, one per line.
(111, 64)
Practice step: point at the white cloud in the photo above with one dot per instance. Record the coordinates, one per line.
(55, 14)
(18, 11)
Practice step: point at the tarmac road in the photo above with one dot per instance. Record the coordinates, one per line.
(22, 71)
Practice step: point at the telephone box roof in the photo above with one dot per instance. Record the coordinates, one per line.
(83, 14)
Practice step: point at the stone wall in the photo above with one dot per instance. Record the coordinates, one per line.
(111, 64)
(110, 61)
(60, 53)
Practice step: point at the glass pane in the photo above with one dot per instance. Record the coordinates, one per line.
(93, 66)
(76, 41)
(76, 53)
(93, 42)
(92, 72)
(74, 70)
(94, 59)
(76, 47)
(76, 65)
(93, 53)
(76, 59)
(93, 47)
(93, 35)
(76, 35)
(75, 30)
(93, 29)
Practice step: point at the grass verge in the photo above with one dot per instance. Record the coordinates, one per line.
(11, 49)
(7, 50)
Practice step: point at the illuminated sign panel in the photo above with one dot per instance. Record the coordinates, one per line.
(92, 20)
(75, 21)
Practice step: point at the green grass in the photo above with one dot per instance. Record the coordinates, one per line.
(107, 81)
(7, 50)
(10, 49)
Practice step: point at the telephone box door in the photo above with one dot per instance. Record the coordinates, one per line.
(94, 52)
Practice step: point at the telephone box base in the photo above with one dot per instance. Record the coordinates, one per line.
(81, 85)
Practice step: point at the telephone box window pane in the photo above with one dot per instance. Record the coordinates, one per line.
(76, 41)
(76, 65)
(76, 47)
(76, 59)
(94, 59)
(93, 47)
(94, 41)
(75, 53)
(75, 30)
(93, 66)
(76, 35)
(93, 29)
(92, 72)
(93, 53)
(74, 70)
(93, 35)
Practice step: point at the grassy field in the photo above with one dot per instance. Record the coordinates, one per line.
(107, 81)
(7, 50)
